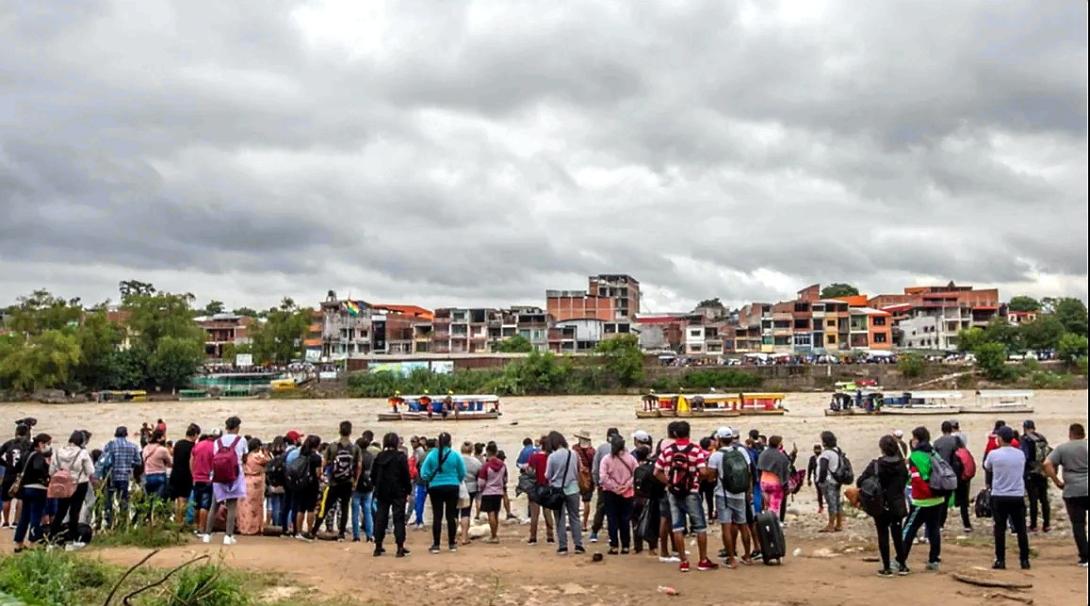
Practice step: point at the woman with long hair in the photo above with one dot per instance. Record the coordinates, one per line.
(615, 474)
(251, 508)
(892, 478)
(562, 471)
(34, 481)
(390, 475)
(305, 500)
(473, 466)
(74, 461)
(443, 472)
(157, 460)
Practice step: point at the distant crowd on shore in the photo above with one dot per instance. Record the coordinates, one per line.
(646, 495)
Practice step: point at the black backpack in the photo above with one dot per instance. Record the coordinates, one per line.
(343, 466)
(643, 479)
(298, 473)
(364, 484)
(678, 476)
(274, 472)
(843, 474)
(872, 498)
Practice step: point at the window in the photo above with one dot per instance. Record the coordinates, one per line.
(880, 338)
(830, 323)
(879, 321)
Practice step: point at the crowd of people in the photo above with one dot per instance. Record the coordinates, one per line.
(648, 495)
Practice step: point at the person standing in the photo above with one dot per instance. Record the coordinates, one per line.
(34, 482)
(586, 453)
(537, 464)
(562, 471)
(228, 479)
(420, 494)
(615, 473)
(599, 505)
(733, 507)
(12, 455)
(443, 471)
(828, 464)
(890, 471)
(680, 466)
(393, 486)
(75, 461)
(342, 459)
(492, 483)
(363, 494)
(1071, 456)
(251, 508)
(1007, 465)
(945, 447)
(157, 461)
(774, 467)
(305, 495)
(927, 506)
(124, 457)
(1036, 449)
(811, 477)
(473, 467)
(180, 483)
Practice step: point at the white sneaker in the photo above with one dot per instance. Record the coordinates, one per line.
(228, 540)
(206, 538)
(669, 559)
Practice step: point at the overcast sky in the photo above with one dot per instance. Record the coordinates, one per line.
(477, 153)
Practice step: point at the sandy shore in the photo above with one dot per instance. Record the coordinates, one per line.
(514, 573)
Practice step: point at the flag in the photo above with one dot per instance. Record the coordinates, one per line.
(352, 308)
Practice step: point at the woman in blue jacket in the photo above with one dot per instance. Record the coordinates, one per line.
(442, 472)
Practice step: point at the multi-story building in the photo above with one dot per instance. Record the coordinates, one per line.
(623, 289)
(582, 318)
(530, 323)
(346, 328)
(223, 329)
(930, 317)
(312, 342)
(661, 332)
(464, 330)
(753, 334)
(401, 329)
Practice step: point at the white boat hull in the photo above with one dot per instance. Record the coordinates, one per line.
(919, 410)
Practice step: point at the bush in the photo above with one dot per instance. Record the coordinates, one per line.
(1049, 380)
(991, 359)
(207, 585)
(52, 578)
(150, 524)
(910, 364)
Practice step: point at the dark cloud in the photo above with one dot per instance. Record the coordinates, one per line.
(481, 152)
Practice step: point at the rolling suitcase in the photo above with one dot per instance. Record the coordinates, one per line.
(770, 537)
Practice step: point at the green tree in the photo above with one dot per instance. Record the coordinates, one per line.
(45, 361)
(538, 373)
(279, 340)
(126, 369)
(1023, 303)
(214, 307)
(134, 288)
(971, 338)
(622, 358)
(1072, 313)
(41, 311)
(159, 315)
(1071, 347)
(711, 303)
(1001, 331)
(910, 364)
(991, 359)
(245, 311)
(515, 344)
(98, 339)
(175, 361)
(1042, 333)
(838, 289)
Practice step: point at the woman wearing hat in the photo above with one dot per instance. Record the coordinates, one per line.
(585, 451)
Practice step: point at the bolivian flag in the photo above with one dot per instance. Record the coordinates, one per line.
(352, 308)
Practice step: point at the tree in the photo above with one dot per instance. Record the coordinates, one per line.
(98, 339)
(970, 338)
(1042, 333)
(991, 359)
(838, 289)
(280, 339)
(622, 358)
(134, 288)
(41, 311)
(1071, 347)
(175, 361)
(126, 369)
(1001, 331)
(1072, 313)
(1023, 303)
(44, 361)
(160, 315)
(910, 364)
(712, 303)
(214, 307)
(245, 311)
(515, 344)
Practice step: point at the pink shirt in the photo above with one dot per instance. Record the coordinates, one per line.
(201, 465)
(615, 474)
(156, 459)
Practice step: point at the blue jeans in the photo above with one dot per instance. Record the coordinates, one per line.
(363, 506)
(285, 515)
(420, 495)
(155, 485)
(275, 503)
(757, 496)
(31, 515)
(691, 505)
(121, 487)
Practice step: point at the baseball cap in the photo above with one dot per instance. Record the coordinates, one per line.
(1005, 433)
(898, 433)
(641, 436)
(1028, 424)
(292, 436)
(724, 432)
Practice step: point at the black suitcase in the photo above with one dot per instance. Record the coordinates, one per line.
(770, 537)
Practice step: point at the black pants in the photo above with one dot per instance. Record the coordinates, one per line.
(889, 526)
(707, 492)
(386, 510)
(444, 504)
(1076, 514)
(619, 515)
(69, 507)
(341, 496)
(1037, 490)
(599, 512)
(929, 517)
(1014, 509)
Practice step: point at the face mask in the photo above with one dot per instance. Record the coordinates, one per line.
(47, 451)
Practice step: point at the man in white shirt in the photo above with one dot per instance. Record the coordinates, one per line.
(733, 507)
(1008, 486)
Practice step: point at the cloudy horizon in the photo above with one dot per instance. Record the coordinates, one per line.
(479, 153)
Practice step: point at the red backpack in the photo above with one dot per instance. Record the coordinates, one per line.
(967, 464)
(225, 462)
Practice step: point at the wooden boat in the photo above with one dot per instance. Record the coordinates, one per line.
(921, 403)
(846, 403)
(688, 405)
(452, 407)
(995, 401)
(129, 395)
(761, 404)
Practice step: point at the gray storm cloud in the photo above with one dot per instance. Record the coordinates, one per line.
(481, 152)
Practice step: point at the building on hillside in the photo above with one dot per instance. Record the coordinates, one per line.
(930, 317)
(223, 329)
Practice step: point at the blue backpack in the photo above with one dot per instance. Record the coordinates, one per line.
(104, 465)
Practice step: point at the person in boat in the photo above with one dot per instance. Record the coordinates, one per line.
(696, 402)
(650, 401)
(395, 401)
(448, 404)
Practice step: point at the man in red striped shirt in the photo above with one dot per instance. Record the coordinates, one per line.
(680, 467)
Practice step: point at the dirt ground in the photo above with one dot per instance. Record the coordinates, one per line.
(827, 570)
